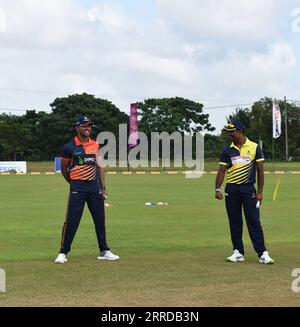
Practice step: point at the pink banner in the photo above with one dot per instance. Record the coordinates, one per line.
(133, 126)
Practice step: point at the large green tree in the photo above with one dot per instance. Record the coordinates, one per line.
(172, 114)
(59, 126)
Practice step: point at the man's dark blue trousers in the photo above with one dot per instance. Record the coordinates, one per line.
(238, 198)
(82, 192)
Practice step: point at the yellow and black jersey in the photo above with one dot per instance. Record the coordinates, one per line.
(241, 163)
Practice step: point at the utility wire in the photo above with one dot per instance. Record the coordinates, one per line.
(5, 89)
(229, 106)
(210, 108)
(14, 109)
(204, 107)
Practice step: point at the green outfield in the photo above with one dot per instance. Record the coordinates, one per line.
(170, 255)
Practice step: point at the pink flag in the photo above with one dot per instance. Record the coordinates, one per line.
(133, 126)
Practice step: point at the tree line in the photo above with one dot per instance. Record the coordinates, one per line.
(39, 136)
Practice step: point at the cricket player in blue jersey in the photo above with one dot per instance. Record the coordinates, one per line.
(87, 185)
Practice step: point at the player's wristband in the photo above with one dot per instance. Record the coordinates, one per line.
(218, 190)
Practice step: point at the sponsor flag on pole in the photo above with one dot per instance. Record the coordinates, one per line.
(276, 120)
(133, 126)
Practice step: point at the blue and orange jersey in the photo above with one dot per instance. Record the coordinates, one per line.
(241, 163)
(82, 159)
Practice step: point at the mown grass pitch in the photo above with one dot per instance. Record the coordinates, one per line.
(170, 256)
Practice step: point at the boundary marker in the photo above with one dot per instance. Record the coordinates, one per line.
(184, 172)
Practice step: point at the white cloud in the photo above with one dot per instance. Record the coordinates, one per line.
(2, 21)
(212, 50)
(296, 20)
(110, 17)
(78, 83)
(250, 73)
(34, 23)
(251, 19)
(246, 77)
(171, 69)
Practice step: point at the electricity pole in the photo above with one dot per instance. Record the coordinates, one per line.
(286, 131)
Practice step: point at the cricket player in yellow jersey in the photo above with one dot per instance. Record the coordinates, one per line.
(241, 161)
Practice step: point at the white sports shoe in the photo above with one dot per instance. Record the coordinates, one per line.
(107, 255)
(61, 258)
(266, 259)
(236, 257)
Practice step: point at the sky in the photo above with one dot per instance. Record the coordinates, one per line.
(219, 53)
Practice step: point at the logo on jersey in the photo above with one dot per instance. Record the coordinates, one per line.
(86, 159)
(240, 160)
(89, 160)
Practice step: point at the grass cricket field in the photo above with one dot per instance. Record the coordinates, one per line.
(169, 255)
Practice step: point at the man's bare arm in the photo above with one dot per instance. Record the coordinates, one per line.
(102, 178)
(64, 170)
(102, 182)
(219, 181)
(260, 181)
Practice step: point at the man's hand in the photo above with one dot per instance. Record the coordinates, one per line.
(104, 194)
(259, 197)
(219, 195)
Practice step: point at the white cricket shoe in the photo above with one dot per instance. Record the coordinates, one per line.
(236, 257)
(266, 259)
(107, 255)
(61, 258)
